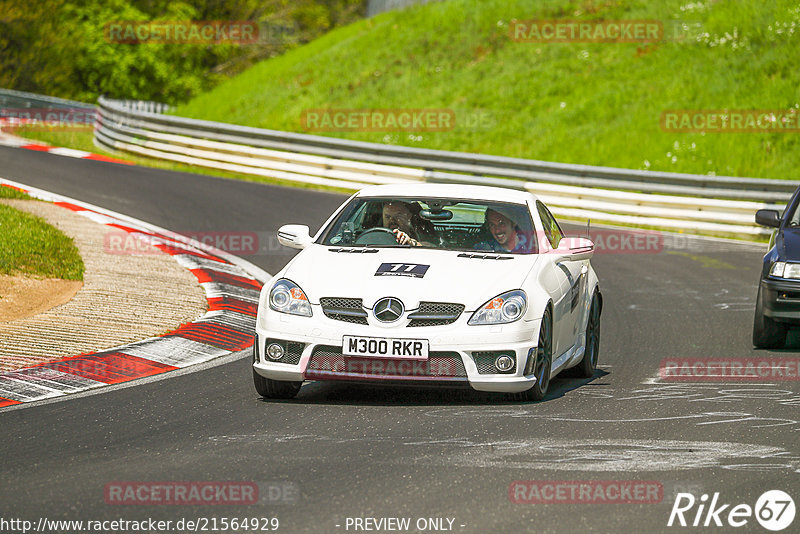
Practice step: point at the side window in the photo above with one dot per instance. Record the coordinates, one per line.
(795, 220)
(551, 228)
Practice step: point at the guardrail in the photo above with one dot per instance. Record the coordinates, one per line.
(718, 204)
(22, 99)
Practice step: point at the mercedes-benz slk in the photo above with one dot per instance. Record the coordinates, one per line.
(485, 292)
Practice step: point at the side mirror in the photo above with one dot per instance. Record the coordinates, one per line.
(575, 249)
(294, 236)
(769, 218)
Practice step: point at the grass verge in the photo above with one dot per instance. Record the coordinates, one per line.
(30, 246)
(596, 103)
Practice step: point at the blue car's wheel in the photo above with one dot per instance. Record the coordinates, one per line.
(767, 334)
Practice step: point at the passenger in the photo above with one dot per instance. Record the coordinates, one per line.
(506, 234)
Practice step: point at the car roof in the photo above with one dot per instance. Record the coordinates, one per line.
(477, 192)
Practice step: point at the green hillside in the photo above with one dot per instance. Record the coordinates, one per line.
(579, 102)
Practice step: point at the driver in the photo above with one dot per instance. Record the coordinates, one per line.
(402, 218)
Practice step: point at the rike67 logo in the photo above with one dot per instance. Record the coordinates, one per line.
(774, 510)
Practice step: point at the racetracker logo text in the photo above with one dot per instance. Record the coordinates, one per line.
(378, 120)
(585, 492)
(51, 118)
(586, 31)
(615, 241)
(383, 367)
(731, 121)
(729, 369)
(181, 493)
(182, 32)
(127, 243)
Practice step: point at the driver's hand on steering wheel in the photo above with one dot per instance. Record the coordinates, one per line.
(404, 239)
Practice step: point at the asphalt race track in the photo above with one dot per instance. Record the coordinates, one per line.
(340, 452)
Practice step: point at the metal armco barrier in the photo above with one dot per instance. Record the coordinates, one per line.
(718, 204)
(21, 99)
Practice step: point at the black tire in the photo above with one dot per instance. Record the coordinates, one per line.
(767, 334)
(587, 366)
(543, 362)
(275, 389)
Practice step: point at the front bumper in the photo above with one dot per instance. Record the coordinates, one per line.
(781, 300)
(459, 354)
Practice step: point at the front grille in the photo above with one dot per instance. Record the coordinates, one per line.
(344, 309)
(292, 351)
(436, 314)
(484, 361)
(328, 362)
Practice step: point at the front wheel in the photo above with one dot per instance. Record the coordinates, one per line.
(275, 389)
(767, 334)
(586, 367)
(543, 362)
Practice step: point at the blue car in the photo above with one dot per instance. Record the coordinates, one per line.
(778, 301)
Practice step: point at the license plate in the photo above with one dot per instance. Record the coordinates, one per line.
(381, 347)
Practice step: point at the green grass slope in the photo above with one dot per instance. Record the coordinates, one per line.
(593, 103)
(30, 246)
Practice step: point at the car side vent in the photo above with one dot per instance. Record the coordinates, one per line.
(435, 314)
(344, 309)
(354, 250)
(484, 256)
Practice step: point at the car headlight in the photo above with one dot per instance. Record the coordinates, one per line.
(286, 297)
(505, 308)
(781, 269)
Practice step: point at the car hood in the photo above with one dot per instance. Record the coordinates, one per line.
(448, 278)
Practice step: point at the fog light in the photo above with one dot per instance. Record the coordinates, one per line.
(504, 363)
(275, 351)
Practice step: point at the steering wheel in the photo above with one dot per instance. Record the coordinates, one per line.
(377, 236)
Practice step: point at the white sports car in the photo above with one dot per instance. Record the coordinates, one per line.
(431, 284)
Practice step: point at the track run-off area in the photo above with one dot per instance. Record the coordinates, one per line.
(341, 458)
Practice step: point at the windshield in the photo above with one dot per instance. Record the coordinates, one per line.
(450, 224)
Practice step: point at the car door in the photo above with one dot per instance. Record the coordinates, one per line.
(572, 276)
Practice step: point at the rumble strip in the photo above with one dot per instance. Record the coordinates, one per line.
(232, 288)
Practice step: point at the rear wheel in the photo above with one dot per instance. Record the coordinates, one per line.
(275, 389)
(543, 361)
(767, 334)
(585, 369)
